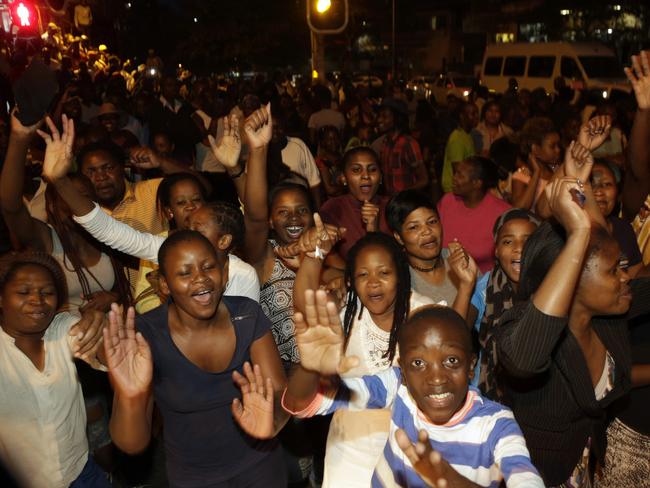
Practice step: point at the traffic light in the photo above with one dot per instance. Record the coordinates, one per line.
(22, 15)
(327, 16)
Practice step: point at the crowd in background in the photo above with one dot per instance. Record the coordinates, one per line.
(430, 292)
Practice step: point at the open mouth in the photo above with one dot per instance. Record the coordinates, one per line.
(204, 297)
(432, 244)
(440, 399)
(516, 264)
(376, 297)
(365, 188)
(294, 231)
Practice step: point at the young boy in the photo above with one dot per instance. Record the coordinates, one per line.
(430, 400)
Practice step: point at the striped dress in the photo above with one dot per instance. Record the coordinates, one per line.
(482, 441)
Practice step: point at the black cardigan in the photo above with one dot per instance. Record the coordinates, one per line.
(547, 383)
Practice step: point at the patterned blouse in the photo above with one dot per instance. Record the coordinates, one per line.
(276, 299)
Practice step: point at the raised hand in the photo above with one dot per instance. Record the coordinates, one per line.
(595, 131)
(254, 413)
(144, 158)
(370, 216)
(317, 241)
(258, 127)
(462, 264)
(22, 131)
(562, 195)
(639, 76)
(578, 162)
(319, 336)
(128, 356)
(228, 148)
(58, 152)
(428, 463)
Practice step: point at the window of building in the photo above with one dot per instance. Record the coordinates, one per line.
(514, 66)
(541, 66)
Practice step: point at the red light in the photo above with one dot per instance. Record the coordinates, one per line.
(22, 15)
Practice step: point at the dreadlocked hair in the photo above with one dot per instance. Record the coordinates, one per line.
(14, 261)
(54, 207)
(402, 295)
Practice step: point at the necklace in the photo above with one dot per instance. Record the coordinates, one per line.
(426, 270)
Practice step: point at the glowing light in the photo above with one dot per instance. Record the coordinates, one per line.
(617, 7)
(23, 14)
(565, 12)
(314, 74)
(466, 93)
(323, 6)
(609, 31)
(195, 20)
(604, 93)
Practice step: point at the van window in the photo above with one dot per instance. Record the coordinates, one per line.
(601, 66)
(569, 68)
(493, 66)
(514, 66)
(541, 66)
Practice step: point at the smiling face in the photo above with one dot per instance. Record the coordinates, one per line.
(28, 301)
(421, 234)
(375, 280)
(437, 364)
(385, 120)
(603, 184)
(185, 197)
(290, 215)
(363, 176)
(193, 278)
(106, 175)
(603, 287)
(510, 244)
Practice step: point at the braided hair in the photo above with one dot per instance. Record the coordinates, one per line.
(402, 296)
(64, 227)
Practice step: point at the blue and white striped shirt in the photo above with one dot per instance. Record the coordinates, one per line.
(482, 441)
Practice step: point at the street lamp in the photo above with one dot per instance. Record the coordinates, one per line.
(324, 17)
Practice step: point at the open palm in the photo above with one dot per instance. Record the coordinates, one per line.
(639, 76)
(228, 148)
(254, 412)
(320, 338)
(128, 355)
(58, 152)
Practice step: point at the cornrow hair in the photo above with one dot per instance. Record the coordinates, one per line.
(229, 220)
(64, 228)
(403, 294)
(12, 262)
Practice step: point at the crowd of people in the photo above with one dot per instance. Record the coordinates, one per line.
(292, 285)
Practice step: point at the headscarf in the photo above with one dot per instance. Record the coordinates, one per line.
(499, 297)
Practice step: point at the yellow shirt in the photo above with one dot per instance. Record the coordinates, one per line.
(138, 210)
(145, 296)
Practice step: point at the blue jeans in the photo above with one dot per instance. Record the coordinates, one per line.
(92, 476)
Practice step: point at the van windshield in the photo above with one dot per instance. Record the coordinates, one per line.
(601, 66)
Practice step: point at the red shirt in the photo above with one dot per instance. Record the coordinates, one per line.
(471, 226)
(345, 211)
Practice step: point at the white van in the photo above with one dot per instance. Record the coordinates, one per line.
(589, 66)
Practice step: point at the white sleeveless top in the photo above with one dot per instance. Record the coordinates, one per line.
(101, 276)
